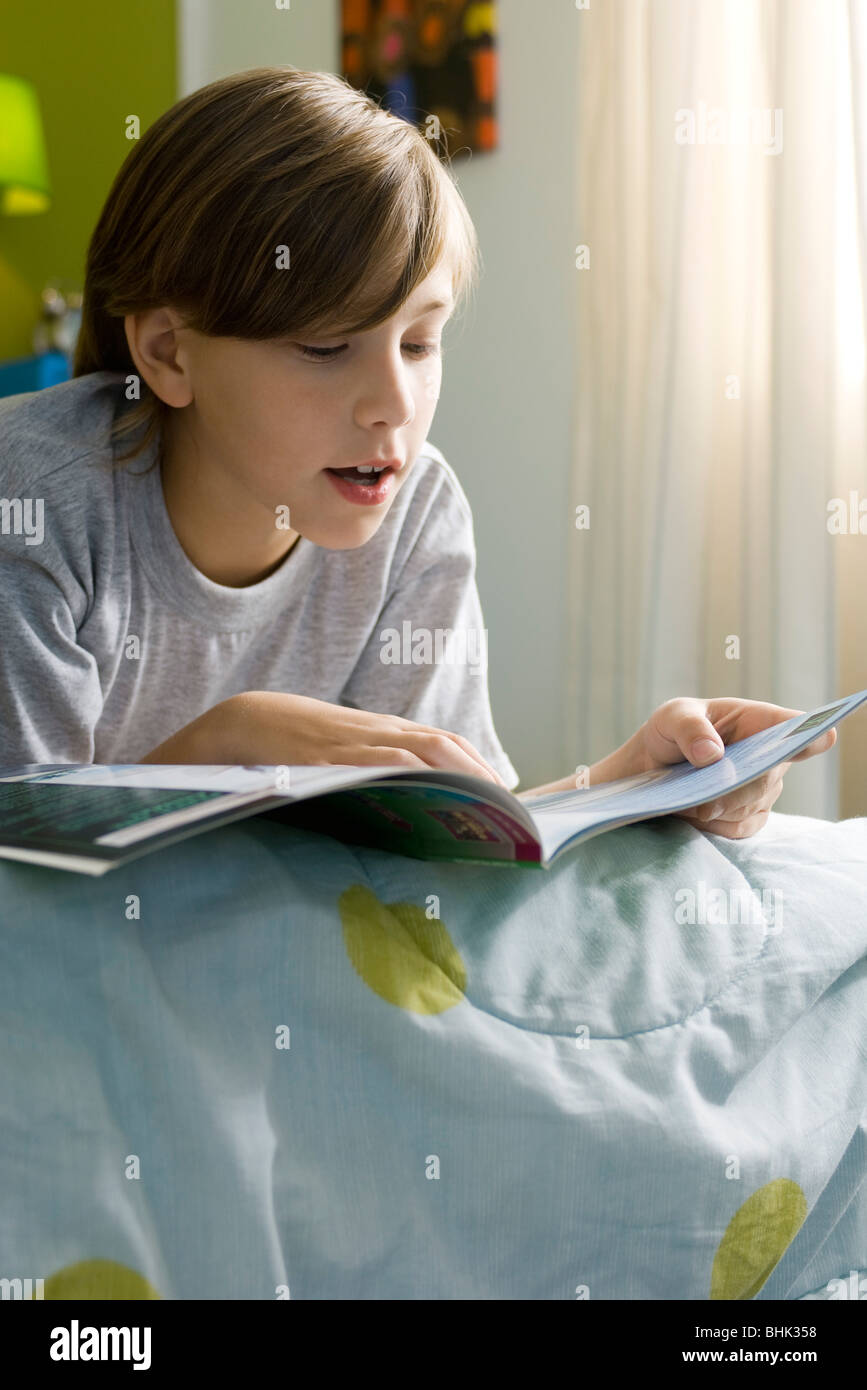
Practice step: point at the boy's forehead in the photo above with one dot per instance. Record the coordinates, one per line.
(438, 285)
(433, 293)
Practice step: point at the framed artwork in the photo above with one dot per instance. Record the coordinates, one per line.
(433, 62)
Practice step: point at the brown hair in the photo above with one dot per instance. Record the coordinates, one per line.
(267, 158)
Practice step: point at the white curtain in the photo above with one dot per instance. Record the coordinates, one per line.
(720, 402)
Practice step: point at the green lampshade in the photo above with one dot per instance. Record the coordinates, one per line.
(24, 183)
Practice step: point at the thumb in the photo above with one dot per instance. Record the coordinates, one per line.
(679, 729)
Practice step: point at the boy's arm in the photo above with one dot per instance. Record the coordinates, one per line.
(50, 693)
(272, 728)
(207, 739)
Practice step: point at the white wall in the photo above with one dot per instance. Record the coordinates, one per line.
(504, 419)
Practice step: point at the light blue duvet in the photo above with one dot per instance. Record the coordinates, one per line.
(261, 1064)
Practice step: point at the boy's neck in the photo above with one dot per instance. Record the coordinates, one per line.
(221, 529)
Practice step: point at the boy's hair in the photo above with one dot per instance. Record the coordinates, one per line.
(264, 159)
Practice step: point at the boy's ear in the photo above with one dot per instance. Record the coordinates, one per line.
(159, 354)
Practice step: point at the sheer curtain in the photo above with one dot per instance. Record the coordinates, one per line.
(720, 404)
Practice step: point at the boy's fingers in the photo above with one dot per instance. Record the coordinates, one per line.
(467, 747)
(735, 829)
(821, 745)
(441, 750)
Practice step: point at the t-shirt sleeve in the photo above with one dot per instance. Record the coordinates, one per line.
(50, 694)
(427, 656)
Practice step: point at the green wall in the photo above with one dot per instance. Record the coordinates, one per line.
(93, 63)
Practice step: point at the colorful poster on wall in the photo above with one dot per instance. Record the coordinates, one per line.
(434, 62)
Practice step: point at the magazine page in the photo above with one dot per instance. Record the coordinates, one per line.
(292, 782)
(215, 777)
(425, 818)
(97, 826)
(89, 817)
(563, 818)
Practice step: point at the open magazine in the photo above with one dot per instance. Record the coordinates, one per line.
(90, 818)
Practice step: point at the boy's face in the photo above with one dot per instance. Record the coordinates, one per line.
(270, 420)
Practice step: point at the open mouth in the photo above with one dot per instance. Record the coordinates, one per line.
(369, 489)
(365, 477)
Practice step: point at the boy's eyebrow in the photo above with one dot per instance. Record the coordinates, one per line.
(427, 309)
(437, 304)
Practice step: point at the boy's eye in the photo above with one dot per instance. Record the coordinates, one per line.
(325, 354)
(321, 353)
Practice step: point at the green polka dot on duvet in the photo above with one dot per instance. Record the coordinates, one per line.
(405, 957)
(756, 1238)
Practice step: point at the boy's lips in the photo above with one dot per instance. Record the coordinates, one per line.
(368, 489)
(375, 465)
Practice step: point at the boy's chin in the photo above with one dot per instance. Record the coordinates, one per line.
(348, 534)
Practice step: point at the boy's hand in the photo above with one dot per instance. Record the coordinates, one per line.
(263, 726)
(678, 729)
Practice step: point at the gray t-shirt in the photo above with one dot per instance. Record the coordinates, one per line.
(112, 640)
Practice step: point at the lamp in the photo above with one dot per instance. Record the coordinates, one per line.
(24, 182)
